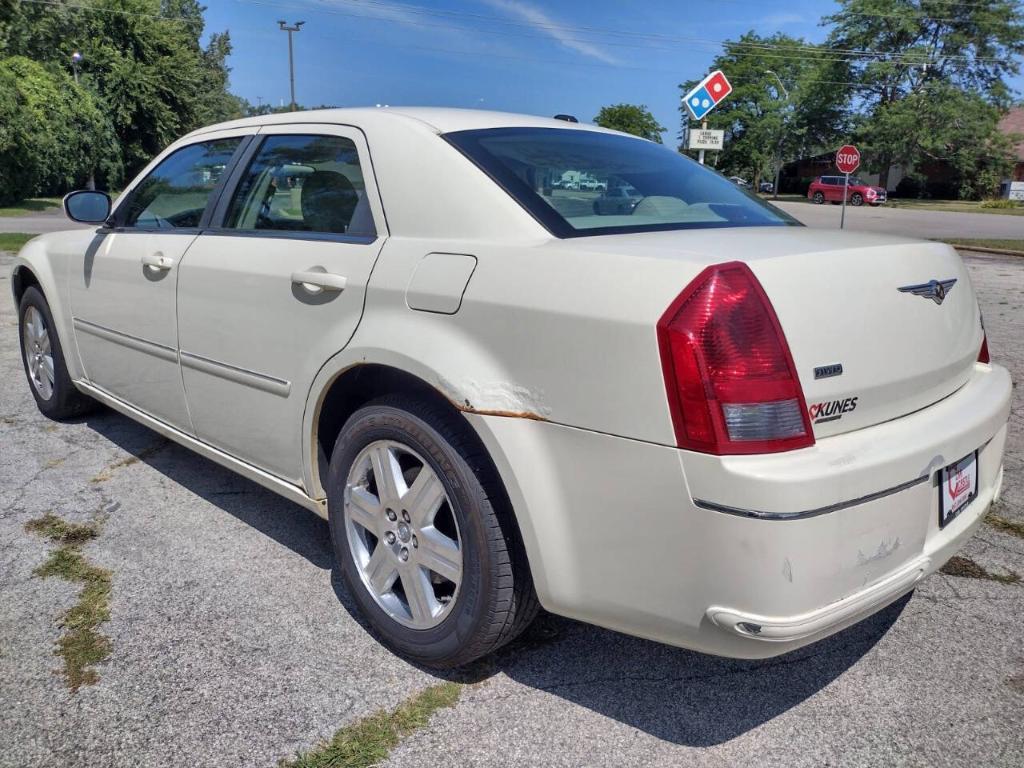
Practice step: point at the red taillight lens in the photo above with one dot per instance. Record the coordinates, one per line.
(983, 354)
(732, 386)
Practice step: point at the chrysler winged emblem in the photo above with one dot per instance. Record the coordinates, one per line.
(935, 290)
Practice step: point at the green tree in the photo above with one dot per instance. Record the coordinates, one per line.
(788, 101)
(53, 134)
(142, 59)
(630, 118)
(933, 56)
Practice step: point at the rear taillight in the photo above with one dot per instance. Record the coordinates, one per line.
(731, 383)
(983, 354)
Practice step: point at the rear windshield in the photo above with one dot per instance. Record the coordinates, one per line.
(579, 183)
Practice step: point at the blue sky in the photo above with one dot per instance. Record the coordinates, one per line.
(512, 55)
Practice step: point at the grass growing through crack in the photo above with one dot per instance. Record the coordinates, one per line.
(370, 740)
(81, 646)
(1004, 524)
(968, 569)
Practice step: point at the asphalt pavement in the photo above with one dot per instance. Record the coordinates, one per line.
(234, 643)
(909, 222)
(899, 221)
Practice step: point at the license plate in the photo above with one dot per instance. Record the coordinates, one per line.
(958, 487)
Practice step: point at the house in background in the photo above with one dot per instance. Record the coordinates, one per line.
(797, 175)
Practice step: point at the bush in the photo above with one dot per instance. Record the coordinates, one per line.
(1002, 204)
(910, 188)
(53, 134)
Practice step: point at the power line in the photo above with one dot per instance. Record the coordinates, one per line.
(843, 54)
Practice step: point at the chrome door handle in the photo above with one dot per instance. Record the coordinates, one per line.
(315, 281)
(158, 261)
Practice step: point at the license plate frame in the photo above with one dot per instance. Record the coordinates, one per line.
(965, 475)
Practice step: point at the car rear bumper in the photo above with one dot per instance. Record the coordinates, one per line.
(746, 556)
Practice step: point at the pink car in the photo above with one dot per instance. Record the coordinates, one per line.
(830, 188)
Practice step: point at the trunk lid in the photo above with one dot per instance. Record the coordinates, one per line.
(865, 350)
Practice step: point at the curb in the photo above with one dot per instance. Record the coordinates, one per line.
(984, 249)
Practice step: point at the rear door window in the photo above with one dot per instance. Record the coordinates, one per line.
(299, 183)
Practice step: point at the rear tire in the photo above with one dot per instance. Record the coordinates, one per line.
(43, 359)
(818, 198)
(443, 617)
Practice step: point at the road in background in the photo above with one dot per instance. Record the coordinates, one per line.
(907, 222)
(52, 220)
(234, 643)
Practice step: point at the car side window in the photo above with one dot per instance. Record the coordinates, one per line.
(176, 192)
(298, 183)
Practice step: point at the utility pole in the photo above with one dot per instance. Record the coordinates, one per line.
(76, 59)
(782, 136)
(291, 61)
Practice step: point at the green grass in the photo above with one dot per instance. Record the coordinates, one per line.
(81, 646)
(1000, 523)
(30, 206)
(369, 741)
(1004, 245)
(958, 206)
(12, 241)
(966, 568)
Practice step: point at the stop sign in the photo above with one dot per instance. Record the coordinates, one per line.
(848, 159)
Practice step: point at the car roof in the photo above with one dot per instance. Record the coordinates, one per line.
(439, 119)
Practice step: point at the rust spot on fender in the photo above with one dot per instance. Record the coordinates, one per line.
(466, 408)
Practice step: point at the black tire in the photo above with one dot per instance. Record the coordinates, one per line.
(819, 198)
(857, 199)
(65, 401)
(496, 600)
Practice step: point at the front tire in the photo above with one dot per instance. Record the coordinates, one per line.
(423, 534)
(857, 199)
(43, 360)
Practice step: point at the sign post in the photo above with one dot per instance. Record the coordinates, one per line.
(704, 97)
(847, 161)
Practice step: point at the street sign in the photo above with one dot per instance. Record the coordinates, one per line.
(701, 138)
(706, 95)
(848, 159)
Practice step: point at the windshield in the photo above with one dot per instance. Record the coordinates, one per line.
(565, 177)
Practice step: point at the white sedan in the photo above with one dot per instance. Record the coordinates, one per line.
(693, 420)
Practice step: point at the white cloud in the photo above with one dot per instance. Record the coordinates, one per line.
(540, 21)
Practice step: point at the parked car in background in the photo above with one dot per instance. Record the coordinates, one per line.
(830, 189)
(739, 181)
(700, 423)
(766, 187)
(620, 199)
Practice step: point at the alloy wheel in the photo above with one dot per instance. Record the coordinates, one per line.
(35, 339)
(403, 535)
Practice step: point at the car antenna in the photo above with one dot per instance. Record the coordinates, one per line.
(567, 118)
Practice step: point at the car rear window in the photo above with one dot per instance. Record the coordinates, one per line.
(563, 176)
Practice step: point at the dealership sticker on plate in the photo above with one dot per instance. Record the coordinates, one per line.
(958, 485)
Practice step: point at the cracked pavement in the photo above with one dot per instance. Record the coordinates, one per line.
(233, 643)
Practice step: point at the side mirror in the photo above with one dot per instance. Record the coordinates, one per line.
(87, 206)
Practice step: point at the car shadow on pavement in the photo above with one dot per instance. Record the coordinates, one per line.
(680, 696)
(289, 524)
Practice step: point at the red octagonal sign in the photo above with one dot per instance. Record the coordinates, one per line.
(848, 159)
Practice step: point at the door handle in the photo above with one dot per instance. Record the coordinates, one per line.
(315, 281)
(158, 261)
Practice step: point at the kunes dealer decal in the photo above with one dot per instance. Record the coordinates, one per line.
(832, 410)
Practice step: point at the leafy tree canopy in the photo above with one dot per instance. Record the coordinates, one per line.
(787, 101)
(630, 118)
(142, 63)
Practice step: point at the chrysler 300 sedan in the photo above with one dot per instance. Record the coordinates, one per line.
(691, 419)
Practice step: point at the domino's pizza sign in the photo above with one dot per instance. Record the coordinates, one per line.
(705, 95)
